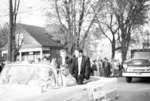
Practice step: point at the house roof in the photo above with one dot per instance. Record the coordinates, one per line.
(40, 35)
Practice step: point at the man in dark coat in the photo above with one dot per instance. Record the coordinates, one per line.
(107, 67)
(81, 67)
(94, 68)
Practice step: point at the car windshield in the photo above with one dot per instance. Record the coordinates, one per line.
(141, 55)
(27, 74)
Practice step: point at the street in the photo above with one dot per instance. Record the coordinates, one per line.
(138, 90)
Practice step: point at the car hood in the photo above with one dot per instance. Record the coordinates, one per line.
(11, 92)
(17, 92)
(21, 92)
(25, 93)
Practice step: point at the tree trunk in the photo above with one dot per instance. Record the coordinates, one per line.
(112, 51)
(124, 50)
(113, 47)
(125, 44)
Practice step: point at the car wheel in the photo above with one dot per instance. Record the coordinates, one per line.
(129, 79)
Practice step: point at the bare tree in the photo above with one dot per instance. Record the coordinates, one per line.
(107, 26)
(77, 18)
(4, 35)
(124, 17)
(129, 14)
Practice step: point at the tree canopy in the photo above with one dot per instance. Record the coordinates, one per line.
(116, 20)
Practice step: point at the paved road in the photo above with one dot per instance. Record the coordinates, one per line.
(138, 90)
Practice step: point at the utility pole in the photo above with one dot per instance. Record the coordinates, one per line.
(10, 47)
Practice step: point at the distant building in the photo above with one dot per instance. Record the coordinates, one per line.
(34, 43)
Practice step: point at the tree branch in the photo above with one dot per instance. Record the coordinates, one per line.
(58, 14)
(93, 19)
(81, 17)
(111, 18)
(103, 31)
(18, 4)
(99, 24)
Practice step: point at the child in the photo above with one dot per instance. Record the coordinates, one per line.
(67, 78)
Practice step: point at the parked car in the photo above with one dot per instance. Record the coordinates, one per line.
(39, 82)
(138, 65)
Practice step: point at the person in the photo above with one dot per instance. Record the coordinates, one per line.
(1, 66)
(94, 68)
(81, 67)
(115, 68)
(45, 60)
(38, 60)
(107, 67)
(67, 78)
(53, 63)
(64, 60)
(101, 69)
(120, 69)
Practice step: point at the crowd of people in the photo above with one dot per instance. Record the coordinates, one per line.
(79, 67)
(106, 68)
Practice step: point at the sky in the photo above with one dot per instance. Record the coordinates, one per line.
(31, 12)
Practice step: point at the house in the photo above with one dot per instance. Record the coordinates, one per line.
(33, 43)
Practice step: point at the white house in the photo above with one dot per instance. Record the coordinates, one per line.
(34, 43)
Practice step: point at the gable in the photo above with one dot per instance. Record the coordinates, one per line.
(28, 40)
(40, 35)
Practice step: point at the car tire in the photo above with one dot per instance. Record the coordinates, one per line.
(129, 79)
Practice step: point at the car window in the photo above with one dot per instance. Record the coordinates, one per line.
(141, 55)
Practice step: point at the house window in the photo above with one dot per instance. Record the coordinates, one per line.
(30, 56)
(46, 53)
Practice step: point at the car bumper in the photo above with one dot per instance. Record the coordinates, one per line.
(139, 74)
